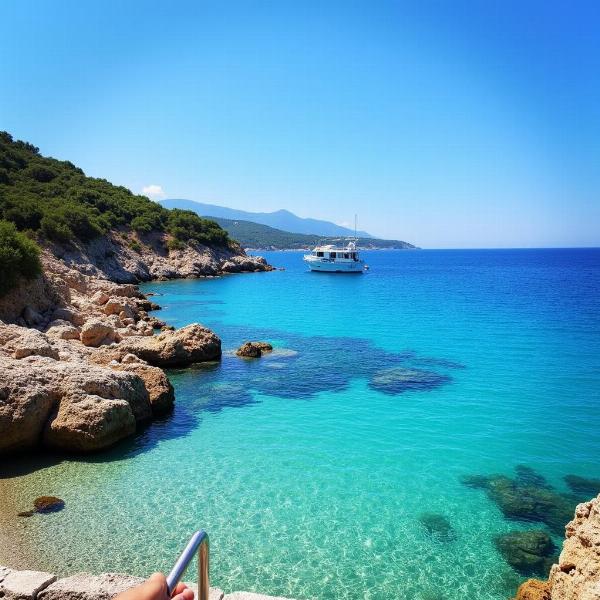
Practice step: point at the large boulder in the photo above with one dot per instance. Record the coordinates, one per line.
(98, 407)
(20, 342)
(75, 406)
(96, 333)
(185, 346)
(160, 390)
(63, 331)
(528, 552)
(27, 397)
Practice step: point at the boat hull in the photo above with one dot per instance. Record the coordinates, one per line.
(332, 267)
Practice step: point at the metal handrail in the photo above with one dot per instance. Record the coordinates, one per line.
(198, 542)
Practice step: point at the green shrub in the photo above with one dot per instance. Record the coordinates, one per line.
(186, 225)
(19, 257)
(40, 173)
(57, 199)
(135, 245)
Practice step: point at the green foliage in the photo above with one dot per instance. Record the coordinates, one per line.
(185, 225)
(58, 202)
(19, 257)
(135, 245)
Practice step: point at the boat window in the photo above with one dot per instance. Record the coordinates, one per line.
(319, 254)
(346, 255)
(332, 254)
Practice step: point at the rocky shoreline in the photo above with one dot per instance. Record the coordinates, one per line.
(576, 575)
(81, 361)
(39, 585)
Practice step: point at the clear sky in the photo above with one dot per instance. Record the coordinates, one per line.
(447, 124)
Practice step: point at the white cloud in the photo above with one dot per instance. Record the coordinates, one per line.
(153, 191)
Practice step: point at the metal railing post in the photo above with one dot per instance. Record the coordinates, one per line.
(198, 542)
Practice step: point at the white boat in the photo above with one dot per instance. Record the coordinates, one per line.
(335, 259)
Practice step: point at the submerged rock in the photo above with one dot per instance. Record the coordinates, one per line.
(253, 349)
(45, 504)
(400, 379)
(528, 552)
(437, 526)
(518, 499)
(582, 486)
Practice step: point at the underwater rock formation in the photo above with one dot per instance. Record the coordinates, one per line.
(582, 486)
(527, 497)
(437, 526)
(401, 379)
(528, 552)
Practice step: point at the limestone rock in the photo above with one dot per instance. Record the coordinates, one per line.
(27, 398)
(185, 346)
(70, 315)
(533, 589)
(24, 585)
(577, 574)
(63, 332)
(89, 587)
(98, 408)
(95, 333)
(160, 390)
(253, 349)
(100, 298)
(19, 342)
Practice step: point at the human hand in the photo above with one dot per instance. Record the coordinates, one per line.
(155, 588)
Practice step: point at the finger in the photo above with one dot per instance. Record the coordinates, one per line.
(179, 588)
(187, 594)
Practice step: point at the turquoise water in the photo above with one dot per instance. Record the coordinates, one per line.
(311, 467)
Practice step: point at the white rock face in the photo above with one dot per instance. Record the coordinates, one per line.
(89, 587)
(24, 585)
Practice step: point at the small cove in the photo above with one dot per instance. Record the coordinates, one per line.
(311, 467)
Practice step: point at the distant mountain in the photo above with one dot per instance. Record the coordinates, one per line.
(280, 219)
(258, 236)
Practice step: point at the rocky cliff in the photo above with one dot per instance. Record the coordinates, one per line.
(576, 576)
(78, 350)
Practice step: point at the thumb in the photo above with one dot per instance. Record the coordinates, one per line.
(156, 587)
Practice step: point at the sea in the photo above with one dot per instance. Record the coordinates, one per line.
(348, 463)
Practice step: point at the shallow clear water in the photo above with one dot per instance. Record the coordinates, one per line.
(311, 467)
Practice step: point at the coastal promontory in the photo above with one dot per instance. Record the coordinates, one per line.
(80, 354)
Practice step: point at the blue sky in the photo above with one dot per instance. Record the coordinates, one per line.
(447, 124)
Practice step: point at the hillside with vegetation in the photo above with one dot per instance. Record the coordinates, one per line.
(45, 201)
(263, 237)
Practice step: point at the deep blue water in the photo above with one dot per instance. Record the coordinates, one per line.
(312, 467)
